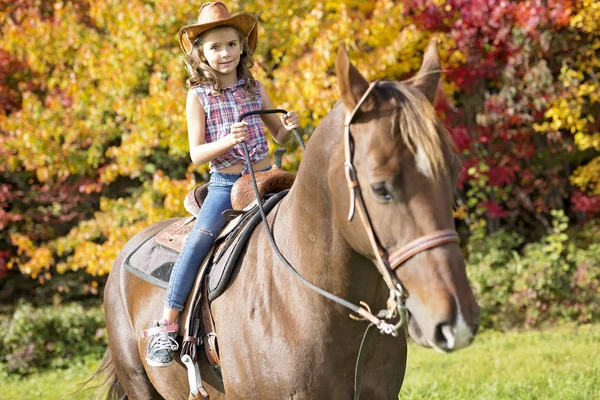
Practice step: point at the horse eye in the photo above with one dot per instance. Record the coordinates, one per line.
(380, 191)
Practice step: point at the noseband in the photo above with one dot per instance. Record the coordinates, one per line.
(386, 263)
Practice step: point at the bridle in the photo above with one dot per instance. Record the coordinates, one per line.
(386, 263)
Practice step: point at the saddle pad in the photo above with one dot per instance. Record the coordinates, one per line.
(153, 262)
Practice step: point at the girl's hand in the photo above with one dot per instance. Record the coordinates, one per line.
(238, 134)
(290, 120)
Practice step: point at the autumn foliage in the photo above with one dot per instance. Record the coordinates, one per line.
(92, 123)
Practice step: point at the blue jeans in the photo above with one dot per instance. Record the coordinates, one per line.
(209, 223)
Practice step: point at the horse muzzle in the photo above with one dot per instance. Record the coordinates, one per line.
(445, 336)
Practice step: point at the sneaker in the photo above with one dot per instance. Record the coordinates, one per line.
(161, 346)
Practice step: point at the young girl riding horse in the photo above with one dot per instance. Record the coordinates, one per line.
(218, 56)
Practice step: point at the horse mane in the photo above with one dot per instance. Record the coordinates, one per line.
(415, 119)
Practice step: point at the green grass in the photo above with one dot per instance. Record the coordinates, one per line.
(52, 384)
(562, 363)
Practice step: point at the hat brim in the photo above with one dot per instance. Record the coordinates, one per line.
(245, 21)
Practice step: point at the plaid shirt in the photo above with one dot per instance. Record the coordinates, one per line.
(222, 111)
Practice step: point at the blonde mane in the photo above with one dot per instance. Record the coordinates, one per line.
(414, 118)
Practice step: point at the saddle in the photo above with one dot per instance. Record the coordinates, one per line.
(242, 196)
(153, 260)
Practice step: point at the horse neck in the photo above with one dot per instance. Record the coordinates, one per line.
(320, 252)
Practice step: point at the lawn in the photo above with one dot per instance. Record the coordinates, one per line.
(49, 385)
(561, 363)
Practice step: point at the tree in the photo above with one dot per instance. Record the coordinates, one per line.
(94, 145)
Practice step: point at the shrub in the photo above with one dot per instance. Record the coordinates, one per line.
(489, 267)
(37, 338)
(556, 279)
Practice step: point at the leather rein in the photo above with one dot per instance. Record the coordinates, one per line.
(386, 262)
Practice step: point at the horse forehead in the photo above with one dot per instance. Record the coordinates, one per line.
(384, 153)
(390, 156)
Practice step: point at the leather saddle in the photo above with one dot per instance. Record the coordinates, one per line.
(242, 196)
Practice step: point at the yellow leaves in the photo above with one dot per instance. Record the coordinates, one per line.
(587, 177)
(117, 221)
(24, 245)
(42, 174)
(570, 77)
(174, 191)
(114, 95)
(39, 259)
(570, 111)
(381, 42)
(591, 90)
(461, 212)
(585, 142)
(588, 17)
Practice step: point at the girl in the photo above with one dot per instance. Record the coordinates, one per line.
(219, 54)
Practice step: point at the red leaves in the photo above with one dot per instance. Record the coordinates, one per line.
(494, 210)
(590, 205)
(531, 15)
(462, 138)
(10, 97)
(481, 30)
(501, 176)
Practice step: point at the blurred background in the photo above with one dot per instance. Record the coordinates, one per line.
(93, 148)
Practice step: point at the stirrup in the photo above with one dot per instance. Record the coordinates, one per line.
(194, 378)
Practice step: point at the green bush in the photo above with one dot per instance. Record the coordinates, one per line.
(554, 280)
(37, 338)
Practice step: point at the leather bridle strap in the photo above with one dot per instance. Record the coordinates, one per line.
(398, 257)
(357, 201)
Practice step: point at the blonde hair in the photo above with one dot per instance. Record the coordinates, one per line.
(202, 74)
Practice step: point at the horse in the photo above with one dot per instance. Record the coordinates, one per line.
(279, 339)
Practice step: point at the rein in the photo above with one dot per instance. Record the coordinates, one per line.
(386, 263)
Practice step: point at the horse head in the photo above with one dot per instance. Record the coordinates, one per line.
(406, 169)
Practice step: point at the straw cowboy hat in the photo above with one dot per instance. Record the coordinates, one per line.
(215, 14)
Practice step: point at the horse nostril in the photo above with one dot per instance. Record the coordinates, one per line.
(444, 336)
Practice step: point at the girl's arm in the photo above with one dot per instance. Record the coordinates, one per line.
(200, 151)
(279, 128)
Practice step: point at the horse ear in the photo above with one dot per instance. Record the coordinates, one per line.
(428, 77)
(351, 83)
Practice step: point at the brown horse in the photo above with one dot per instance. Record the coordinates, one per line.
(277, 338)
